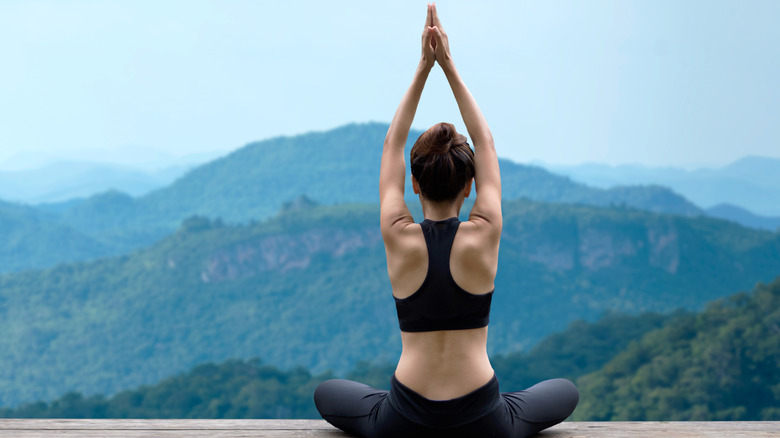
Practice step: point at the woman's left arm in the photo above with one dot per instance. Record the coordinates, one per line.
(392, 174)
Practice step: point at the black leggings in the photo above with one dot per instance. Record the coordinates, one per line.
(374, 413)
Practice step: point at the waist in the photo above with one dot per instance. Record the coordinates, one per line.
(444, 413)
(444, 364)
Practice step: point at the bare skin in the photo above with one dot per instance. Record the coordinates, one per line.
(441, 365)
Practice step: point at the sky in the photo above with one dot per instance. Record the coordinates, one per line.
(659, 83)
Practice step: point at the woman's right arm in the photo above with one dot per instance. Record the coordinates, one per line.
(487, 207)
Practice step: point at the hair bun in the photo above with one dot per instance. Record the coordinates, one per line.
(442, 162)
(441, 138)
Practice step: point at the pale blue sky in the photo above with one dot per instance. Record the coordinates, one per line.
(651, 82)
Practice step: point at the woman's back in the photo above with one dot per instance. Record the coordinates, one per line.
(444, 364)
(441, 363)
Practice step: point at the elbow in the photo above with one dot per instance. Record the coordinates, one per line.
(387, 144)
(391, 142)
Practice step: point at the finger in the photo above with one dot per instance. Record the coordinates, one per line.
(427, 39)
(428, 17)
(436, 32)
(435, 17)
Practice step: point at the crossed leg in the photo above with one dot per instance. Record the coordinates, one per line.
(350, 406)
(543, 405)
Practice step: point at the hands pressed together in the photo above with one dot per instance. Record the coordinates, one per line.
(435, 45)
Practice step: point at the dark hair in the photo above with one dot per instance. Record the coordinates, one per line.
(442, 162)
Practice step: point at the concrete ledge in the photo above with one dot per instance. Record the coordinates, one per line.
(23, 428)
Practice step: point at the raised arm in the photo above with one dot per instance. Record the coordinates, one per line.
(487, 207)
(392, 176)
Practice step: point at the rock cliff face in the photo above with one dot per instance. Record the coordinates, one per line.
(590, 247)
(598, 248)
(284, 252)
(593, 247)
(664, 248)
(658, 247)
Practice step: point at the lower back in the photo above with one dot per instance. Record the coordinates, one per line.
(445, 364)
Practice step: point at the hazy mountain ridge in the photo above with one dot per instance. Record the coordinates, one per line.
(254, 182)
(744, 217)
(31, 238)
(750, 182)
(66, 180)
(210, 292)
(536, 183)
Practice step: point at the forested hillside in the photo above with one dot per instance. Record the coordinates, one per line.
(580, 349)
(252, 183)
(309, 287)
(31, 238)
(721, 364)
(251, 389)
(233, 389)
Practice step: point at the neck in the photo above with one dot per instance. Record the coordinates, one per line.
(438, 211)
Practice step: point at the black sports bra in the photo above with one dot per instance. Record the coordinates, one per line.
(440, 304)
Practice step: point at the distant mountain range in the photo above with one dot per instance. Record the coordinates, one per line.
(351, 154)
(274, 250)
(67, 180)
(309, 287)
(741, 216)
(752, 183)
(254, 182)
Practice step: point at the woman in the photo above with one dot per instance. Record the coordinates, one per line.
(442, 274)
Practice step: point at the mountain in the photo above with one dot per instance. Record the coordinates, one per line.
(254, 182)
(721, 364)
(750, 182)
(32, 238)
(38, 237)
(741, 216)
(309, 287)
(341, 166)
(522, 181)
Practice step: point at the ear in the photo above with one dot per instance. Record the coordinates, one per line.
(415, 186)
(467, 189)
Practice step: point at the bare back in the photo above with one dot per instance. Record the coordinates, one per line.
(443, 364)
